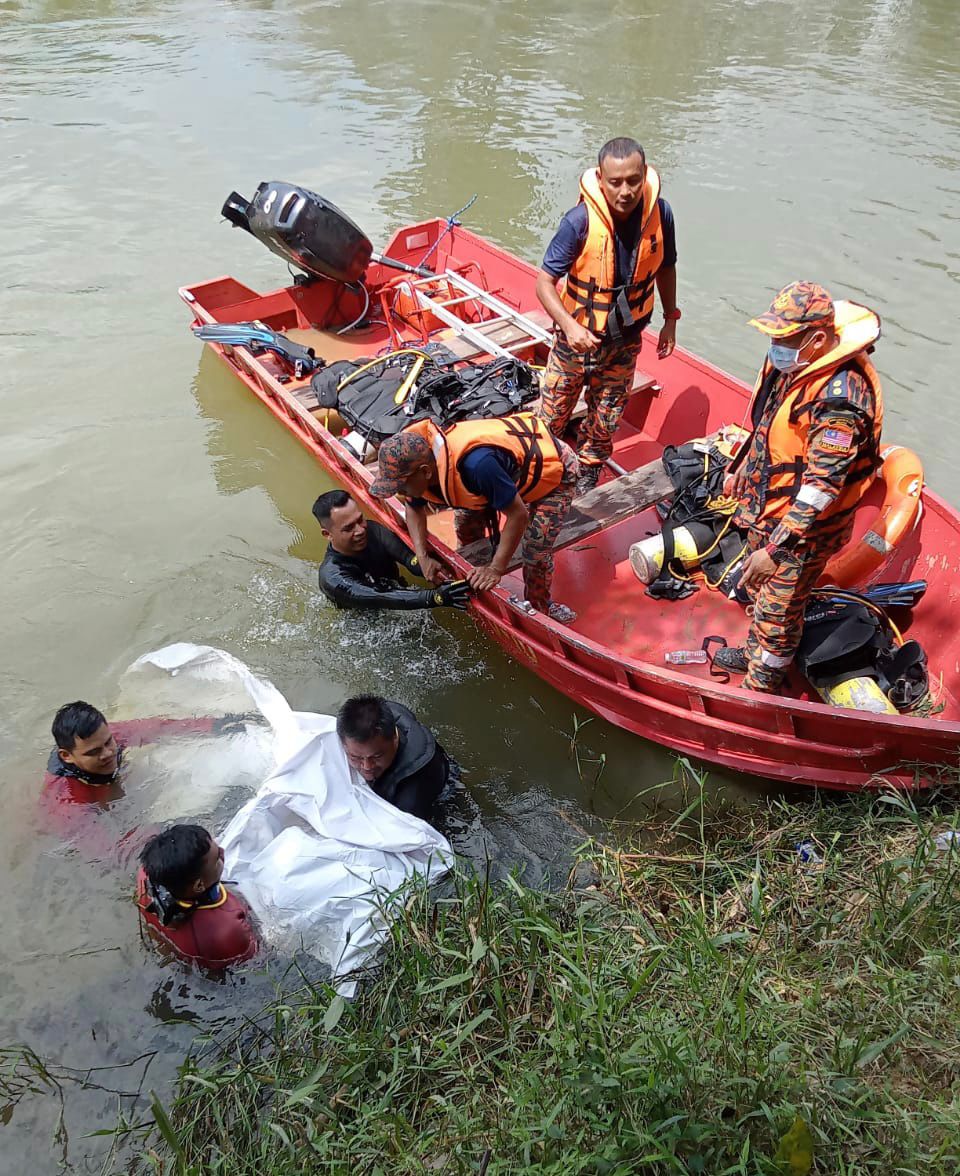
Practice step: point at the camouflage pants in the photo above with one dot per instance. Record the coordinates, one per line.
(778, 610)
(536, 548)
(606, 378)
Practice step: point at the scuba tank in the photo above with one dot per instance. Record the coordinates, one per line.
(849, 656)
(690, 542)
(710, 546)
(697, 532)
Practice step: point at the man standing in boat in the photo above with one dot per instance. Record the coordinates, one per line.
(597, 284)
(508, 466)
(360, 565)
(817, 412)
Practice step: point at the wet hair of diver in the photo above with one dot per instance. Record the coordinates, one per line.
(176, 859)
(73, 721)
(327, 503)
(364, 717)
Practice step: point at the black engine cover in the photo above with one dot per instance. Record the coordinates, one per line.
(303, 228)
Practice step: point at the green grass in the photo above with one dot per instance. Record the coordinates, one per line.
(676, 1017)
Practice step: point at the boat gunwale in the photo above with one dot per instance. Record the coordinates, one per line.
(543, 636)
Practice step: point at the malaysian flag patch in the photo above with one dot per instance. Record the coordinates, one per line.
(836, 440)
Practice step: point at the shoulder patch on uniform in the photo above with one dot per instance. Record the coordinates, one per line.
(837, 439)
(838, 386)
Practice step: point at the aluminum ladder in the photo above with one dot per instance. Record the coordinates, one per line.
(530, 333)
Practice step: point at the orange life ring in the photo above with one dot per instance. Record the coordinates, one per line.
(406, 307)
(902, 474)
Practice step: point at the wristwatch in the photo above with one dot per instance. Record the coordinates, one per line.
(673, 316)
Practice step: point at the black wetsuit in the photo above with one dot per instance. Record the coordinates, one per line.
(371, 579)
(420, 771)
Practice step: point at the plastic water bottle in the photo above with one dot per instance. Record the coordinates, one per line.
(949, 837)
(685, 657)
(808, 853)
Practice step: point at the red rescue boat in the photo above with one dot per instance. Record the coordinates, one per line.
(611, 660)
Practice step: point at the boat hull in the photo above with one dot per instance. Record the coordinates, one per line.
(795, 739)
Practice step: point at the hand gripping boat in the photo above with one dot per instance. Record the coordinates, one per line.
(437, 282)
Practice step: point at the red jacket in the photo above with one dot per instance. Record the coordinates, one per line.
(214, 935)
(72, 806)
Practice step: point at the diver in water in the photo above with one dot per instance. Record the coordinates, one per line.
(186, 905)
(360, 568)
(395, 754)
(85, 768)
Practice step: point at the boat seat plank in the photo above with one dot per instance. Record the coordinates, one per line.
(305, 395)
(332, 347)
(503, 334)
(613, 502)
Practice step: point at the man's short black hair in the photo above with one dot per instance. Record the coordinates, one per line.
(621, 148)
(174, 858)
(73, 721)
(365, 716)
(327, 503)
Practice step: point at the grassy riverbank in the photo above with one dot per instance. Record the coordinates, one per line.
(678, 1016)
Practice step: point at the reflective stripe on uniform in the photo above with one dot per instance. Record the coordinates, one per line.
(811, 496)
(774, 660)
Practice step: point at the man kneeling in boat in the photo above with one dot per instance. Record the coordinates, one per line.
(509, 465)
(396, 755)
(817, 412)
(360, 565)
(184, 902)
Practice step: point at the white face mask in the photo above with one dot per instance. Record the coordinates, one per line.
(787, 359)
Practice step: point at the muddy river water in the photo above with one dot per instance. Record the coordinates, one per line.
(145, 499)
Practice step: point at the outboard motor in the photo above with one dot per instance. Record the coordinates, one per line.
(304, 229)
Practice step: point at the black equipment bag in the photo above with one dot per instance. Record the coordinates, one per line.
(697, 472)
(365, 392)
(841, 639)
(845, 639)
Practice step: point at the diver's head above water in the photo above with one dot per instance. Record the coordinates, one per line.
(85, 742)
(342, 521)
(369, 734)
(184, 860)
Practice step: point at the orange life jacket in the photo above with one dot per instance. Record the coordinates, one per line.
(589, 292)
(785, 445)
(523, 436)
